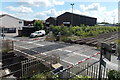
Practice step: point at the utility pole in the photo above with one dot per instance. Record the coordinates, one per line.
(72, 4)
(3, 34)
(113, 19)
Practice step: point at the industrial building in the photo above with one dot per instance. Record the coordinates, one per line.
(51, 20)
(68, 19)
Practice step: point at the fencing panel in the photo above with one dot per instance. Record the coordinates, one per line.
(7, 45)
(84, 69)
(37, 65)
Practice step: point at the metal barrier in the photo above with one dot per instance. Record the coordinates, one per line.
(91, 70)
(84, 68)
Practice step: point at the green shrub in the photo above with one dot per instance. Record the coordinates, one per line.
(80, 77)
(41, 76)
(113, 75)
(82, 31)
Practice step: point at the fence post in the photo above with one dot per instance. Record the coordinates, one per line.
(92, 72)
(60, 74)
(99, 76)
(96, 71)
(87, 69)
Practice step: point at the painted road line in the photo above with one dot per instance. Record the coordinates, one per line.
(85, 56)
(40, 53)
(68, 51)
(24, 53)
(38, 44)
(33, 51)
(27, 48)
(67, 62)
(77, 54)
(33, 43)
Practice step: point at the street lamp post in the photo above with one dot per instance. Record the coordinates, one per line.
(72, 4)
(3, 34)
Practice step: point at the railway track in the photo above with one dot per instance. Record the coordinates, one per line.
(106, 37)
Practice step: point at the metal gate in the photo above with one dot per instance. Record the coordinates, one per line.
(37, 65)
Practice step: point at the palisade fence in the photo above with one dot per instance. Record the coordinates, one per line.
(85, 69)
(37, 65)
(7, 45)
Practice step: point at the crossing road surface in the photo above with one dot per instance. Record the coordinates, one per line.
(69, 53)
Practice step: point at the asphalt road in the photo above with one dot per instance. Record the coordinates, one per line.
(69, 53)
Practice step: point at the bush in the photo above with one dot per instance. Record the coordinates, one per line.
(41, 76)
(82, 31)
(113, 75)
(80, 77)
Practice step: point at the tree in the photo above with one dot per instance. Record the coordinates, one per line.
(38, 24)
(104, 23)
(118, 24)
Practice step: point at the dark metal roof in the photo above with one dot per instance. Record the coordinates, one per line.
(76, 14)
(52, 18)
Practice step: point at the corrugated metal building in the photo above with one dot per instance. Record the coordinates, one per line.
(75, 19)
(51, 21)
(68, 19)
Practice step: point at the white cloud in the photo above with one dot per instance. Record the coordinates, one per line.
(43, 3)
(93, 7)
(69, 0)
(49, 13)
(53, 13)
(100, 12)
(20, 9)
(2, 12)
(112, 16)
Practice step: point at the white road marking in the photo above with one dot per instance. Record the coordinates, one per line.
(67, 61)
(78, 54)
(68, 51)
(25, 53)
(59, 49)
(38, 44)
(34, 43)
(86, 56)
(27, 48)
(44, 54)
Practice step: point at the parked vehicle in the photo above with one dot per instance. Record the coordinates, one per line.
(38, 33)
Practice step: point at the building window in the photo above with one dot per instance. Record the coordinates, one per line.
(20, 22)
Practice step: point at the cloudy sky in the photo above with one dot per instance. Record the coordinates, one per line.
(103, 10)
